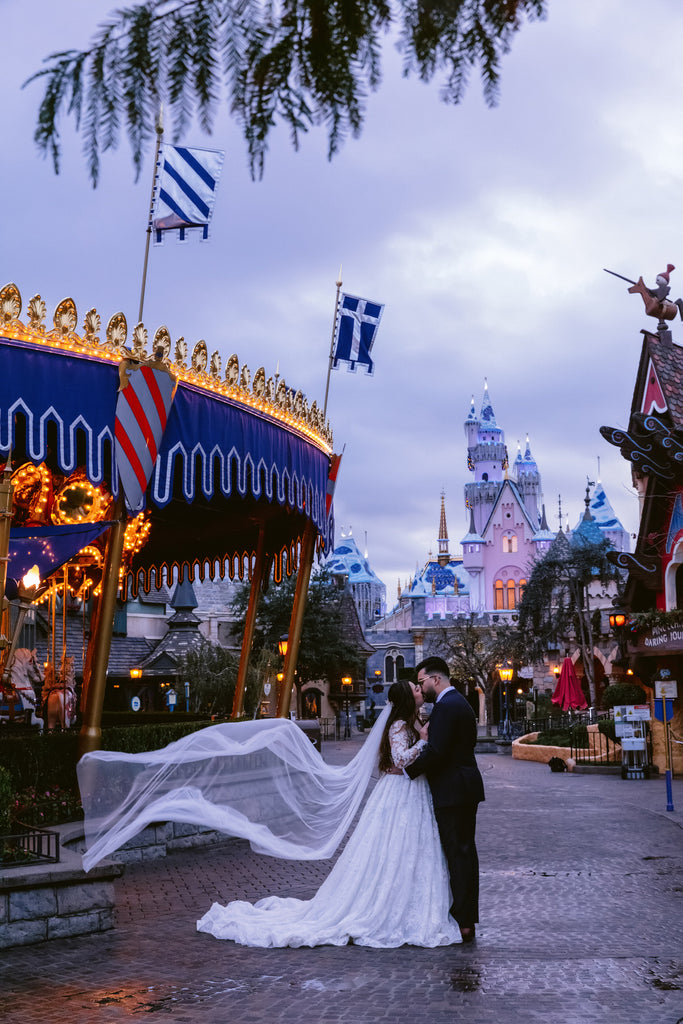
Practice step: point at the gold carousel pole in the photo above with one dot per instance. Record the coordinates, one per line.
(297, 618)
(6, 495)
(250, 622)
(95, 683)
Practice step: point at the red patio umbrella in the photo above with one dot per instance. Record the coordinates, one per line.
(568, 693)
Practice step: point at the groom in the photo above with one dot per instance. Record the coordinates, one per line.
(456, 784)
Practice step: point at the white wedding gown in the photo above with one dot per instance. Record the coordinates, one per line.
(388, 888)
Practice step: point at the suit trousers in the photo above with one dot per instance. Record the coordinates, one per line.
(456, 829)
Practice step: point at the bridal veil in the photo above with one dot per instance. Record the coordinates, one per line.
(259, 780)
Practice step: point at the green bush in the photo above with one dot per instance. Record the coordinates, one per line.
(39, 772)
(623, 693)
(576, 736)
(606, 727)
(6, 800)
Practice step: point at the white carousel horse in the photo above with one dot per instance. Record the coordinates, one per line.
(59, 695)
(18, 700)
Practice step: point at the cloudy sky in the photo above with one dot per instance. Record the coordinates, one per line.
(484, 231)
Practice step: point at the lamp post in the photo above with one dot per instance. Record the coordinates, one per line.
(347, 687)
(506, 671)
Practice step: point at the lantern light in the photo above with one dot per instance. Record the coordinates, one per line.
(505, 671)
(32, 578)
(283, 644)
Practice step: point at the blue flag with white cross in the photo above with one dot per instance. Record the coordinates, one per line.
(185, 190)
(357, 323)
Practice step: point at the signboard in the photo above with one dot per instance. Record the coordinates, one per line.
(632, 713)
(624, 730)
(661, 638)
(666, 688)
(633, 743)
(135, 703)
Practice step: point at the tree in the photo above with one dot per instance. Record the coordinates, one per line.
(212, 672)
(556, 605)
(324, 652)
(474, 649)
(302, 62)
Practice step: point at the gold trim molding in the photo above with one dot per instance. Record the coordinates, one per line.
(268, 396)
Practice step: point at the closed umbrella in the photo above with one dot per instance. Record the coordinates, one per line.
(568, 693)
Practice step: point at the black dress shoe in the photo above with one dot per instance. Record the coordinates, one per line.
(467, 934)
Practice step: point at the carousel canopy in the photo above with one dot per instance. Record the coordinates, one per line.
(237, 456)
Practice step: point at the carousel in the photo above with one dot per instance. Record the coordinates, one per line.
(127, 461)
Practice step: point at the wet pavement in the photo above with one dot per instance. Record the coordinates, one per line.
(581, 923)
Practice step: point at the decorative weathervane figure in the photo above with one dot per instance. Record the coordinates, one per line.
(656, 302)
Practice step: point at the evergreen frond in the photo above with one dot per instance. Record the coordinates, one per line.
(299, 62)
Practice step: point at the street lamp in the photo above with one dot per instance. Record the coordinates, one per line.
(347, 687)
(282, 645)
(506, 671)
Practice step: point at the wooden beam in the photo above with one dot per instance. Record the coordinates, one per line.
(250, 622)
(297, 618)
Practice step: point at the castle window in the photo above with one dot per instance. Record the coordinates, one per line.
(484, 476)
(388, 669)
(522, 585)
(511, 603)
(498, 594)
(509, 543)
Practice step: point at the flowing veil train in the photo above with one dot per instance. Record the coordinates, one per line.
(260, 780)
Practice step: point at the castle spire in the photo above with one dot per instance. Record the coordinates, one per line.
(443, 557)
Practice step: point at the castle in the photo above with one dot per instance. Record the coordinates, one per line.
(507, 532)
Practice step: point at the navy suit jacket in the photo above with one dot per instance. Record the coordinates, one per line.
(448, 759)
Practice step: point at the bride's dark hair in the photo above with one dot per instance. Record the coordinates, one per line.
(403, 709)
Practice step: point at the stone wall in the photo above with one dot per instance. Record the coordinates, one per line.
(52, 901)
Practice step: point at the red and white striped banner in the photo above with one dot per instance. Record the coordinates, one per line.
(142, 410)
(332, 482)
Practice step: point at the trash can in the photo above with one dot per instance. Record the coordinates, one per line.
(311, 726)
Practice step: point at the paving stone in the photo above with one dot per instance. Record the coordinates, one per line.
(581, 924)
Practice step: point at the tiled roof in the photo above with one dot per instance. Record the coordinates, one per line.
(668, 362)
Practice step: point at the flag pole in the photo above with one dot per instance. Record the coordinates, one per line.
(334, 331)
(160, 131)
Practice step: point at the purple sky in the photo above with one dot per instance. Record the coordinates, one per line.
(484, 231)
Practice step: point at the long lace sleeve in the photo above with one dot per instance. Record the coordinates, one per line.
(403, 749)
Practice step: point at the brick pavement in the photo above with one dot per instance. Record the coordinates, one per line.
(581, 924)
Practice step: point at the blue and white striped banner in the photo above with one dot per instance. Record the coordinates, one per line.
(185, 190)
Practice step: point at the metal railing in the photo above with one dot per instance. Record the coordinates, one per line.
(29, 846)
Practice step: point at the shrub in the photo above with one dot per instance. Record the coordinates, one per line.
(576, 736)
(38, 782)
(623, 693)
(6, 800)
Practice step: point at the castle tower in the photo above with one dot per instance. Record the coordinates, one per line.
(528, 480)
(443, 557)
(486, 458)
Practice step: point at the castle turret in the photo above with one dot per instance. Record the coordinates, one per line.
(528, 481)
(487, 459)
(443, 556)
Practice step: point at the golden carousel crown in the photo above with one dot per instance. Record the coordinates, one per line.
(267, 395)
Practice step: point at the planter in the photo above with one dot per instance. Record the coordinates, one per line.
(39, 902)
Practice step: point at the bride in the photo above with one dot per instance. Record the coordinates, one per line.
(390, 884)
(264, 781)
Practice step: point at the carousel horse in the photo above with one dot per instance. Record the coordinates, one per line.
(17, 690)
(59, 695)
